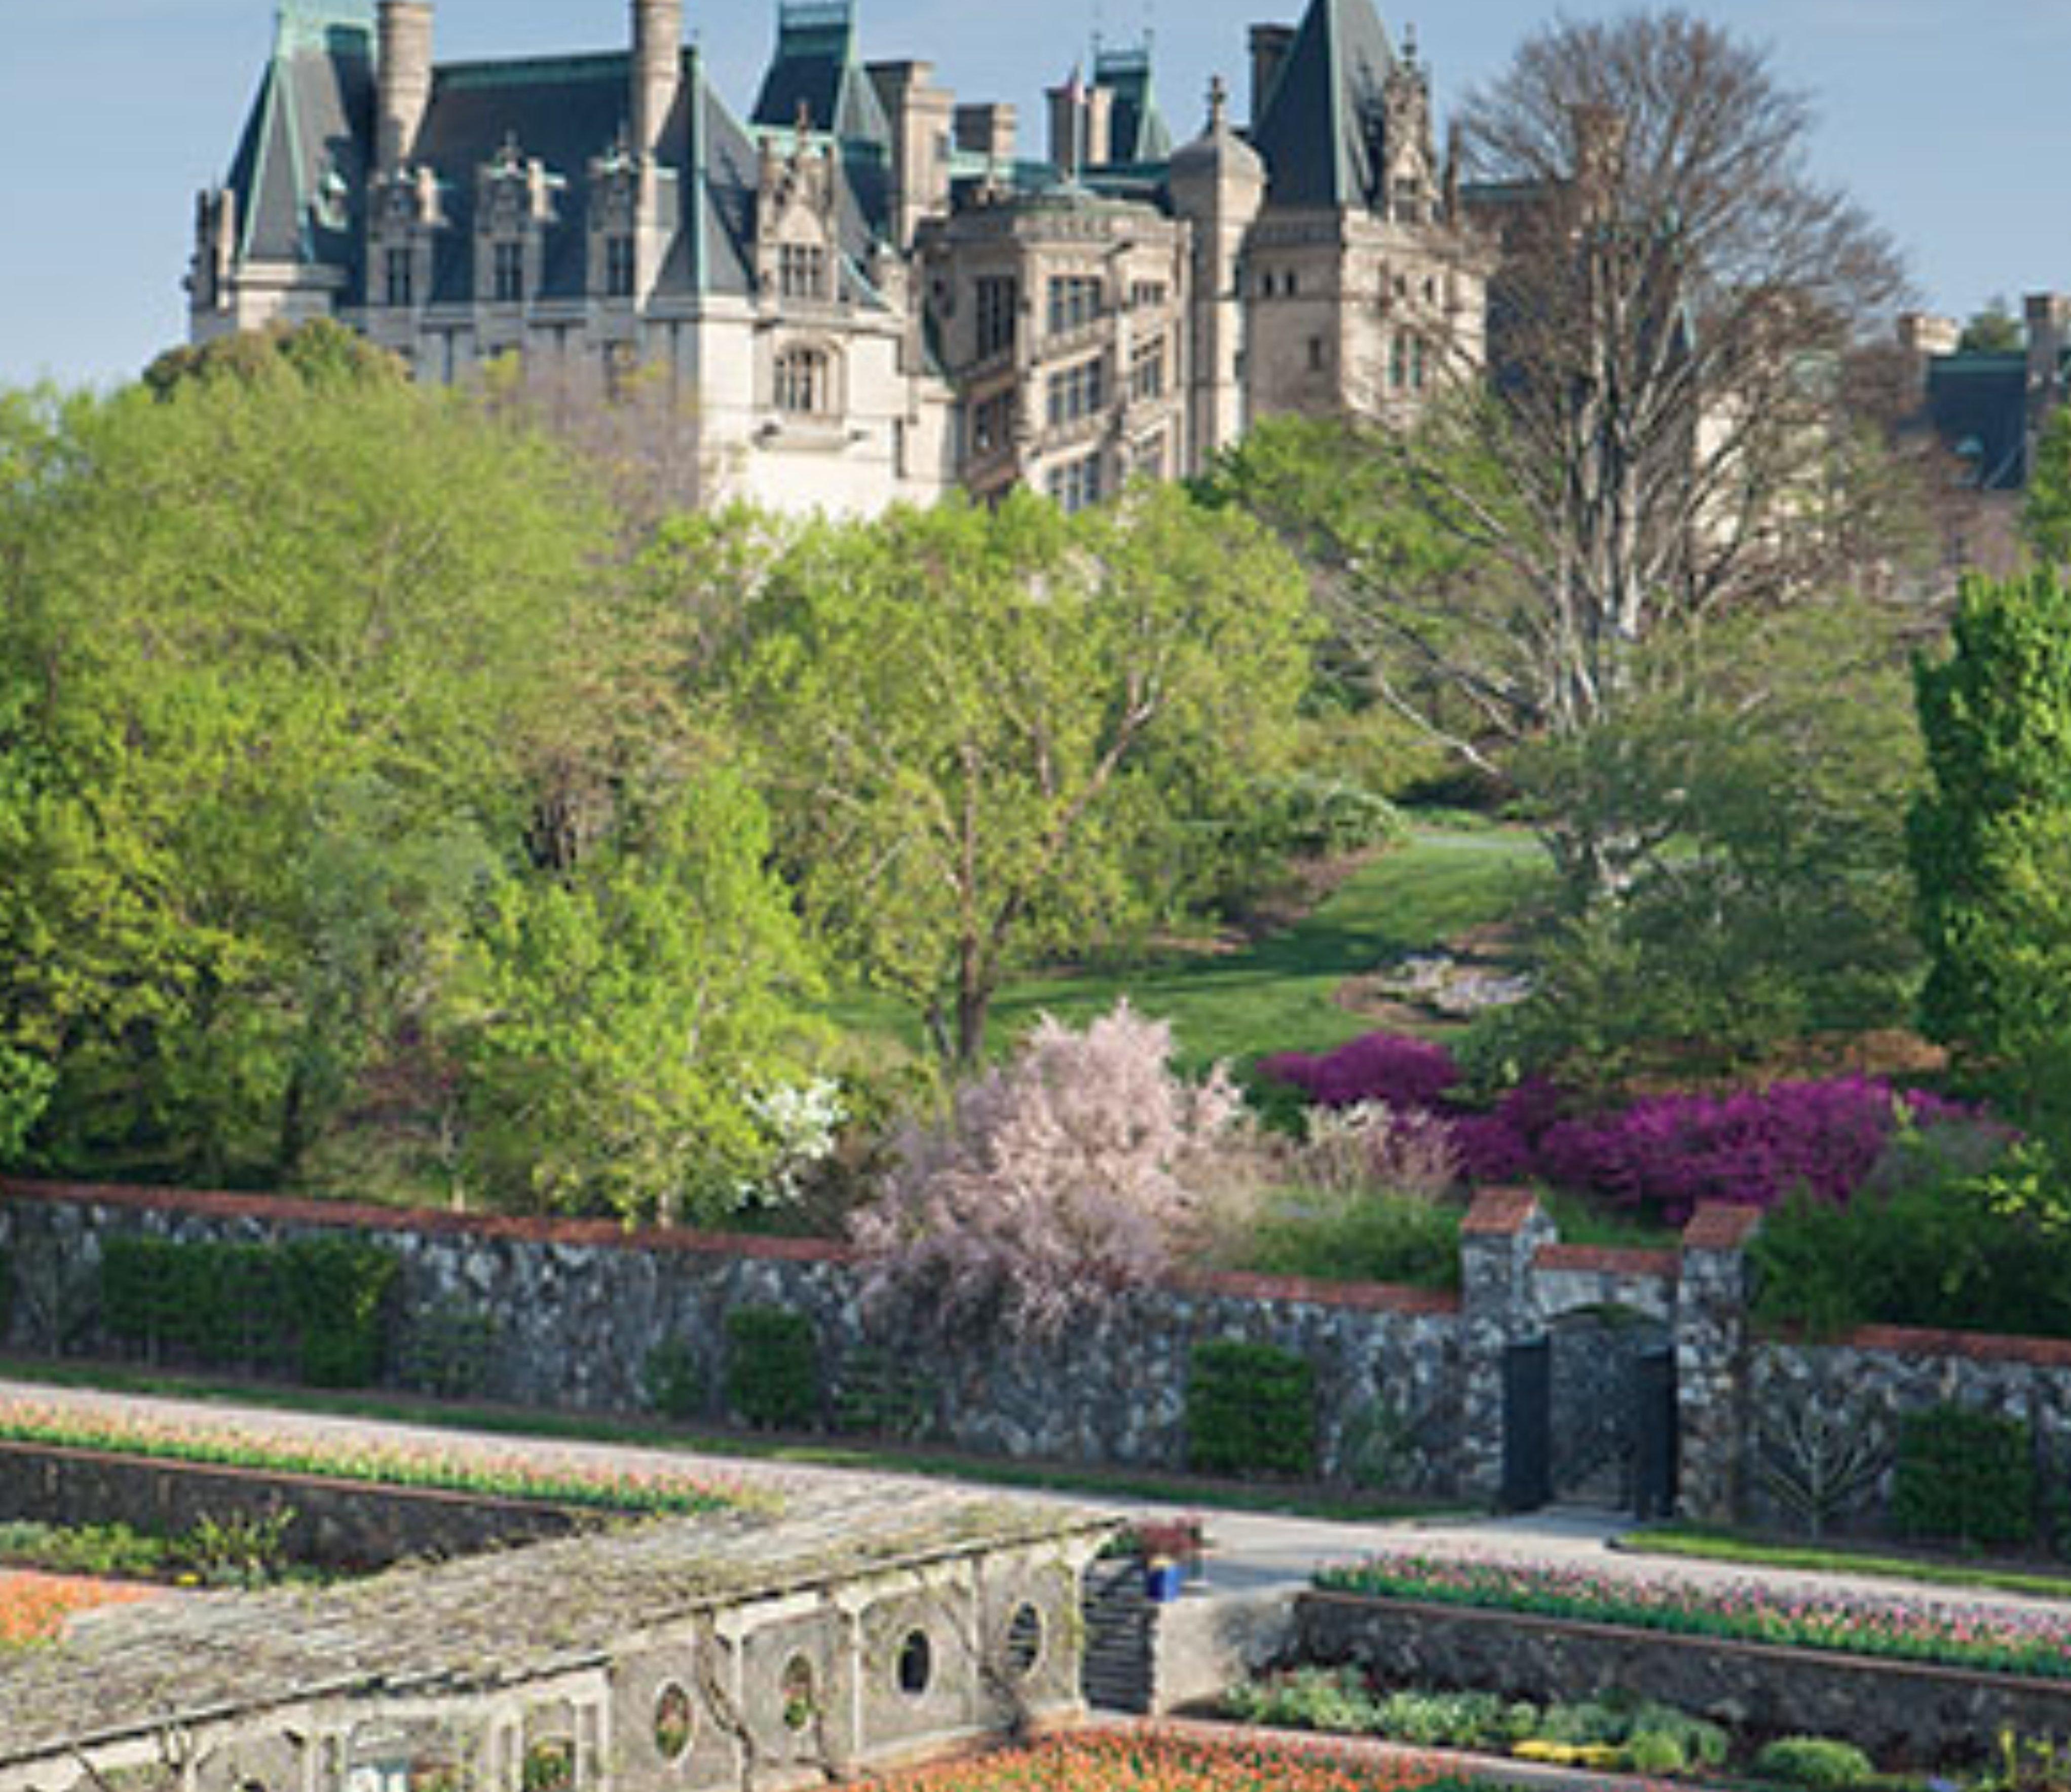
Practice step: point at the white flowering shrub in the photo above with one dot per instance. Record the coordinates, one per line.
(1370, 1147)
(802, 1123)
(1056, 1183)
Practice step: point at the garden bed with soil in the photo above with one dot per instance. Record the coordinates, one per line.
(332, 1505)
(1917, 1683)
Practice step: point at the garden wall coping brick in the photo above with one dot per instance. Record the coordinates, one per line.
(1608, 1260)
(1721, 1226)
(1500, 1213)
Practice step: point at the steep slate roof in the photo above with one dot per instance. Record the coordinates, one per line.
(1979, 406)
(563, 110)
(815, 66)
(1320, 130)
(300, 171)
(1140, 135)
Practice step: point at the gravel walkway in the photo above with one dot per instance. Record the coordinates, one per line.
(1250, 1552)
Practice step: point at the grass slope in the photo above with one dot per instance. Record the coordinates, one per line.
(1277, 995)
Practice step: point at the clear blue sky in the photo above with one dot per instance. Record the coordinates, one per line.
(1950, 121)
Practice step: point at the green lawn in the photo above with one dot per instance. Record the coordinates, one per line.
(1710, 1545)
(1276, 995)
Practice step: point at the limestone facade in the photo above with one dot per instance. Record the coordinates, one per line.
(863, 293)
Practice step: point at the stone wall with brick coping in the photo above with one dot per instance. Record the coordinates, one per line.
(1899, 1711)
(568, 1314)
(1869, 1381)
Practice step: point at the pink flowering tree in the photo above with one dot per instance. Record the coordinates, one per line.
(1056, 1183)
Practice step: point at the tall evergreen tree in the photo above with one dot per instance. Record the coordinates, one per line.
(1991, 839)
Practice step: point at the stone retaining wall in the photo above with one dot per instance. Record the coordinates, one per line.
(1868, 1382)
(1410, 1383)
(1898, 1711)
(334, 1524)
(570, 1315)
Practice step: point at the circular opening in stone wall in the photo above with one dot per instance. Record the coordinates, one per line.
(674, 1723)
(1024, 1641)
(916, 1663)
(797, 1689)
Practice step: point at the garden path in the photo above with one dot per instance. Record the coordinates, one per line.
(1250, 1552)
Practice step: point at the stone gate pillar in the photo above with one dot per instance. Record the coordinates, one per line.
(1498, 1238)
(1711, 1360)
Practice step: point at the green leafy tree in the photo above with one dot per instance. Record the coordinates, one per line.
(279, 669)
(1990, 840)
(616, 1025)
(1757, 793)
(1994, 331)
(322, 354)
(953, 707)
(2047, 517)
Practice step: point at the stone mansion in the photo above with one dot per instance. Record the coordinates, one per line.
(865, 291)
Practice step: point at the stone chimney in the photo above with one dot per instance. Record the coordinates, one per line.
(989, 130)
(1100, 126)
(919, 113)
(658, 72)
(1269, 45)
(405, 79)
(1922, 336)
(1081, 125)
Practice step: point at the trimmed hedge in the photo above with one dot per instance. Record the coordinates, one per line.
(1251, 1409)
(315, 1308)
(1965, 1477)
(773, 1368)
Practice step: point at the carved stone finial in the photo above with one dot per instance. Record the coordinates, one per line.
(1218, 104)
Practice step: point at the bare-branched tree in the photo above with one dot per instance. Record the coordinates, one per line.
(1667, 423)
(1674, 307)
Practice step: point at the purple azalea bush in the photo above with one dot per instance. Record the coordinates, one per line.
(1384, 1067)
(1669, 1152)
(1664, 1154)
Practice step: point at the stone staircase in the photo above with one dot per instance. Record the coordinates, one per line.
(1119, 1672)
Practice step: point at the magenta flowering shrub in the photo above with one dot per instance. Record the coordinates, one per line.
(1667, 1154)
(1664, 1153)
(1388, 1069)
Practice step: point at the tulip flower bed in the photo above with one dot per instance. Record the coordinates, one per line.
(34, 1607)
(2037, 1645)
(496, 1477)
(1155, 1763)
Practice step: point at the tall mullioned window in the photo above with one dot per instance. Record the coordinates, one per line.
(1075, 486)
(1146, 370)
(998, 299)
(801, 270)
(507, 273)
(1075, 301)
(400, 266)
(618, 267)
(1078, 392)
(804, 387)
